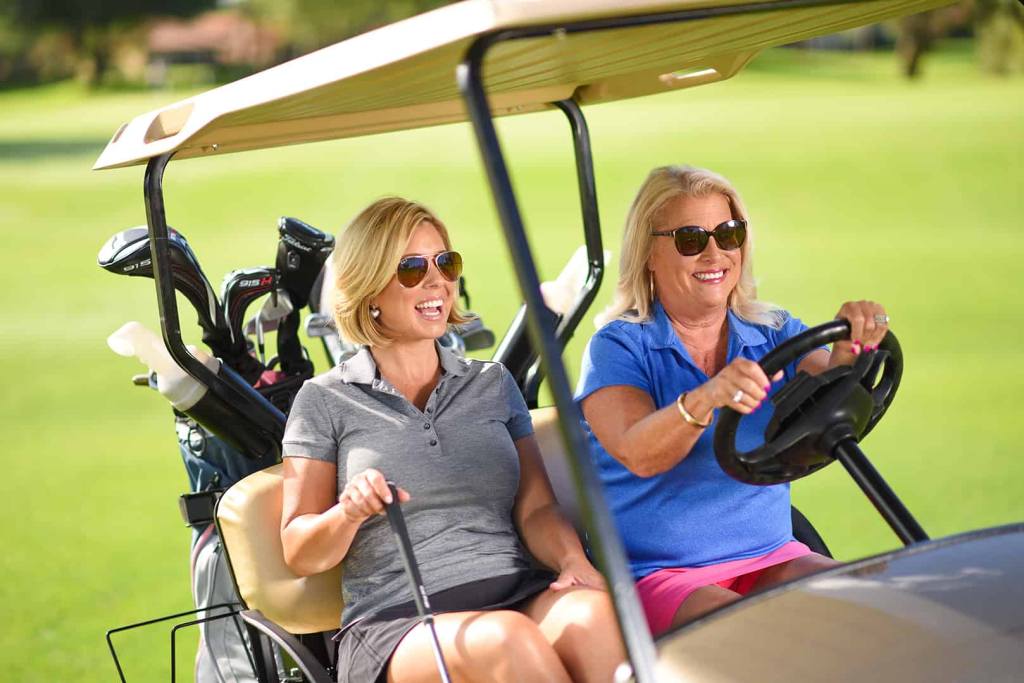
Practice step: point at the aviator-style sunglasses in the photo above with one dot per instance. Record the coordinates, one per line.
(412, 269)
(692, 239)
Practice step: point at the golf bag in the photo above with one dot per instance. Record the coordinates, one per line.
(212, 466)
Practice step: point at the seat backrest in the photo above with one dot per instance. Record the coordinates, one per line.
(549, 438)
(249, 519)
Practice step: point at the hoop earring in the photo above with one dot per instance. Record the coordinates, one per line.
(650, 281)
(374, 312)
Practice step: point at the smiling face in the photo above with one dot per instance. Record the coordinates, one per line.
(697, 284)
(420, 312)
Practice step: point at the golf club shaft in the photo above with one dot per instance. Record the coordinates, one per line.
(419, 592)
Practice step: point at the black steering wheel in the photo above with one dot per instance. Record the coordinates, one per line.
(813, 413)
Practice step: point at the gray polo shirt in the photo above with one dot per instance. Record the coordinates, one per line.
(456, 458)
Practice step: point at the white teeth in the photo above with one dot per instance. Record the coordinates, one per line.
(434, 303)
(712, 275)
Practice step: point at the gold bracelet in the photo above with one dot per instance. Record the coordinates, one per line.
(690, 419)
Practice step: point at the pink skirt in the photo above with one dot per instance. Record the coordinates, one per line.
(662, 592)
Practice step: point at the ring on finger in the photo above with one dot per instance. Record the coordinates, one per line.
(881, 319)
(738, 396)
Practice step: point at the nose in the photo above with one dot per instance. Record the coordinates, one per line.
(433, 278)
(711, 251)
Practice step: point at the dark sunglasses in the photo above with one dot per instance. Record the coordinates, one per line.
(412, 269)
(692, 239)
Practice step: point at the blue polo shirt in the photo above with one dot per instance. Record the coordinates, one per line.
(694, 514)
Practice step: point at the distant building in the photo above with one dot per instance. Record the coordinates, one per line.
(222, 39)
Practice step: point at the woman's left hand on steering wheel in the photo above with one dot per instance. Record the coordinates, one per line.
(868, 325)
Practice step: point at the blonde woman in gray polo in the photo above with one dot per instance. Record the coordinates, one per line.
(456, 436)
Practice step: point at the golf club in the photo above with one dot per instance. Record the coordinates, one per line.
(240, 288)
(412, 570)
(301, 252)
(127, 253)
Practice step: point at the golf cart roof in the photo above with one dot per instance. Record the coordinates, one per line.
(403, 75)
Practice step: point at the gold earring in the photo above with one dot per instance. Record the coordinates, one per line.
(650, 280)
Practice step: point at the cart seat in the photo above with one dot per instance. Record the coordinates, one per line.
(249, 519)
(556, 462)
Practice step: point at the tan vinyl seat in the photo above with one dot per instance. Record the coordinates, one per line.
(545, 427)
(249, 518)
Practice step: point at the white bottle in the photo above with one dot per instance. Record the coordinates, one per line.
(181, 389)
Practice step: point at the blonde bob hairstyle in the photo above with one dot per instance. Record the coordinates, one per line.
(366, 258)
(633, 299)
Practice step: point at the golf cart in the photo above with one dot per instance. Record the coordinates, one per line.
(945, 609)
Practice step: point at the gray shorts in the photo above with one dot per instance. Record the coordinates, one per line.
(367, 644)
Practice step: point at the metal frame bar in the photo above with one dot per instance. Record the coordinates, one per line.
(227, 385)
(592, 238)
(232, 606)
(885, 500)
(604, 538)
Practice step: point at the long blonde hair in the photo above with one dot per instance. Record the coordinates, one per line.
(365, 260)
(633, 300)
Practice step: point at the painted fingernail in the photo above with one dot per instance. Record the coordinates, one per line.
(767, 387)
(857, 342)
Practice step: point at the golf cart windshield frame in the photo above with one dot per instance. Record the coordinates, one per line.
(546, 336)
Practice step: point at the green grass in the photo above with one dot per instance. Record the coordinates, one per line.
(861, 185)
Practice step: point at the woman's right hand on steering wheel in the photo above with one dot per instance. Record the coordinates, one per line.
(740, 385)
(366, 494)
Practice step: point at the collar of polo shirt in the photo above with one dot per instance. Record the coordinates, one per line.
(360, 368)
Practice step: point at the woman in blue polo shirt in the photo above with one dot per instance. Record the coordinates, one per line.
(681, 339)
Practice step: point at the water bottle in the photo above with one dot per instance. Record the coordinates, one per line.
(177, 386)
(190, 396)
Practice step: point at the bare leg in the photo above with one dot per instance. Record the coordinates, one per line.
(701, 601)
(580, 623)
(494, 646)
(794, 569)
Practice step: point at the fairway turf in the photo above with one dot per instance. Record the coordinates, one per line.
(859, 184)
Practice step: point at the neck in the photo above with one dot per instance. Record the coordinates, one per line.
(407, 362)
(700, 327)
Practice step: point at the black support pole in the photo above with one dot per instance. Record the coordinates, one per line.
(227, 385)
(591, 221)
(878, 492)
(604, 538)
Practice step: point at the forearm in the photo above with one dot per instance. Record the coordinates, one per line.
(550, 538)
(316, 542)
(660, 441)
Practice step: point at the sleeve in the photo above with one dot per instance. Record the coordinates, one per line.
(611, 359)
(310, 432)
(519, 422)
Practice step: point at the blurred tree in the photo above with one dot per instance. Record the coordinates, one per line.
(93, 25)
(1000, 35)
(311, 24)
(917, 33)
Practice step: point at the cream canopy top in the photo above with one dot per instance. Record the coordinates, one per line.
(403, 75)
